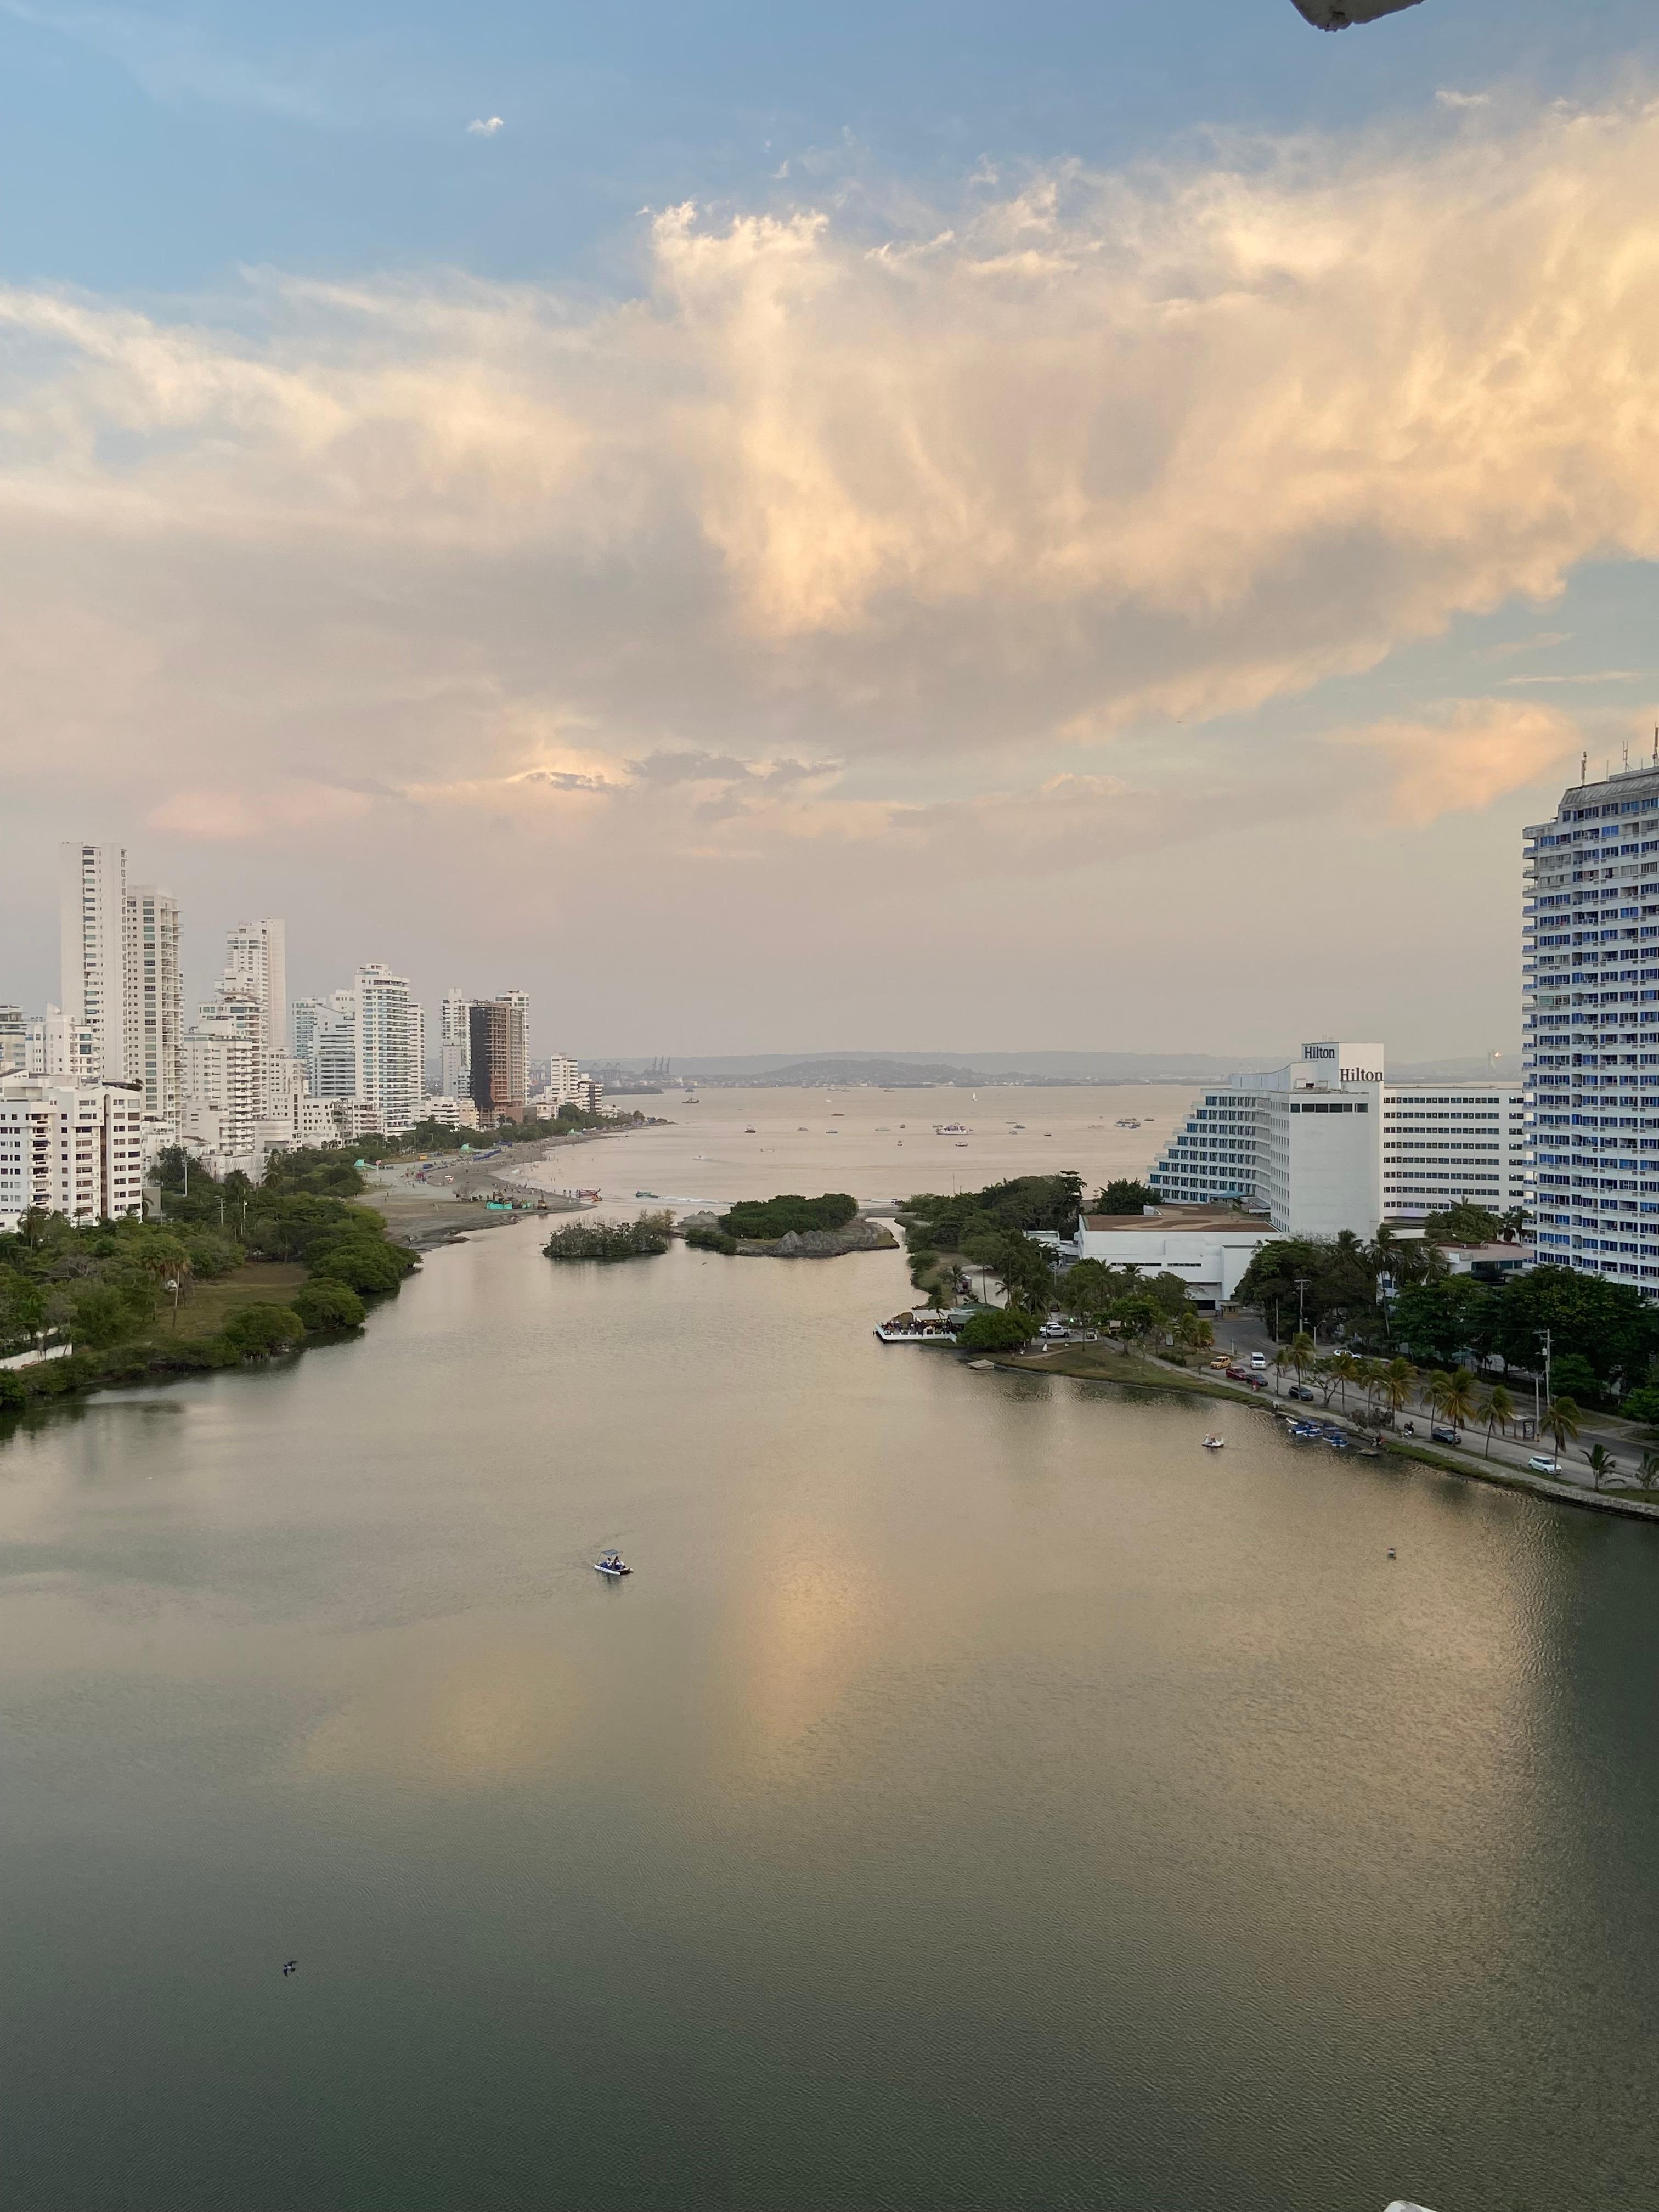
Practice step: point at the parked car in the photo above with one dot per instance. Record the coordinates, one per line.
(1256, 1381)
(1541, 1463)
(1445, 1436)
(1238, 1374)
(1301, 1391)
(1221, 1362)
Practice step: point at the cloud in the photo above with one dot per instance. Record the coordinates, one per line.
(1448, 98)
(1592, 676)
(485, 126)
(843, 543)
(219, 816)
(1470, 753)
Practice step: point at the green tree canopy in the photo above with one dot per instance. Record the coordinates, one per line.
(999, 1328)
(1123, 1194)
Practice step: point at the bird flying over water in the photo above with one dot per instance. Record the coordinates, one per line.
(1339, 14)
(291, 1967)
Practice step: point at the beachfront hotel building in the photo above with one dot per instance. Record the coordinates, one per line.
(1326, 1144)
(1591, 1028)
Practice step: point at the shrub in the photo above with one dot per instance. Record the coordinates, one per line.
(101, 1317)
(258, 1331)
(711, 1240)
(1001, 1328)
(326, 1303)
(364, 1266)
(13, 1396)
(1643, 1405)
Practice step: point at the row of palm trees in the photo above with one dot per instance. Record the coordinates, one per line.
(1389, 1386)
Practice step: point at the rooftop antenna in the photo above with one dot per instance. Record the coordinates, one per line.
(1583, 760)
(1656, 744)
(1627, 756)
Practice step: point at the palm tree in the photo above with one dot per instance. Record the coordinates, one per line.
(1601, 1461)
(1346, 1370)
(1561, 1421)
(1396, 1386)
(1435, 1389)
(1650, 1469)
(1458, 1402)
(1301, 1352)
(1282, 1359)
(1499, 1408)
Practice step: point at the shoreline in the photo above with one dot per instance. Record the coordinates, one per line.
(1146, 1377)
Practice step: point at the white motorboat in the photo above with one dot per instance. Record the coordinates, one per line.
(611, 1564)
(1214, 1443)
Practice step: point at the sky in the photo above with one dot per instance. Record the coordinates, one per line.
(902, 527)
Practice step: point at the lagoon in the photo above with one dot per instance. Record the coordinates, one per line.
(979, 1795)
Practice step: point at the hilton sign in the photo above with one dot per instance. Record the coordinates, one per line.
(1346, 1063)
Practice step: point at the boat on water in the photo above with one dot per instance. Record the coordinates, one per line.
(644, 1194)
(749, 1131)
(1214, 1443)
(611, 1564)
(951, 1129)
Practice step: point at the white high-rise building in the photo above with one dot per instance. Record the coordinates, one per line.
(70, 1148)
(256, 967)
(14, 1040)
(154, 1004)
(93, 948)
(326, 1043)
(391, 1040)
(454, 1069)
(1326, 1144)
(221, 1078)
(1591, 1028)
(57, 1046)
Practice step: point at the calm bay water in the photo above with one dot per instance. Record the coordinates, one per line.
(980, 1797)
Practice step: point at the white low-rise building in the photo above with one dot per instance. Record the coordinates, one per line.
(70, 1148)
(1208, 1246)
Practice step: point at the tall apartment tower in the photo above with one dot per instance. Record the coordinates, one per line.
(454, 1046)
(93, 949)
(498, 1066)
(391, 1040)
(154, 1001)
(1591, 1028)
(256, 967)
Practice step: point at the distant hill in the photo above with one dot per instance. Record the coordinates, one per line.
(917, 1070)
(911, 1070)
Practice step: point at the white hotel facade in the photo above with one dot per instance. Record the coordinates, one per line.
(1591, 1028)
(1326, 1144)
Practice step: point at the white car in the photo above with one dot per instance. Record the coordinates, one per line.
(1541, 1463)
(1258, 1359)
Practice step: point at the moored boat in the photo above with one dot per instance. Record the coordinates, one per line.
(611, 1564)
(1214, 1443)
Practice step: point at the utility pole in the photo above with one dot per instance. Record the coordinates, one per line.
(1301, 1304)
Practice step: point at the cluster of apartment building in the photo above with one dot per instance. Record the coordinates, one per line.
(94, 1087)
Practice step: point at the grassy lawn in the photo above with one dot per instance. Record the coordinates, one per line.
(260, 1282)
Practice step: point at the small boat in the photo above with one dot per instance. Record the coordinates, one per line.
(611, 1564)
(1214, 1443)
(1391, 1551)
(749, 1131)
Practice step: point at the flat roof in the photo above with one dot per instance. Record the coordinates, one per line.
(1180, 1217)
